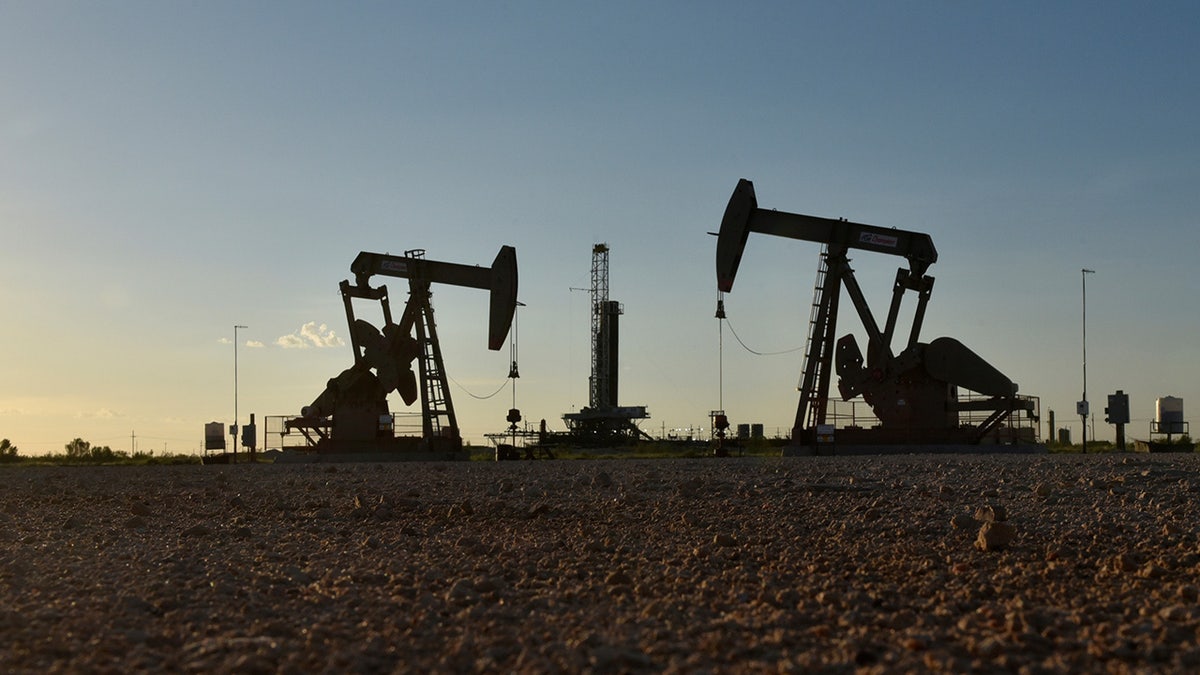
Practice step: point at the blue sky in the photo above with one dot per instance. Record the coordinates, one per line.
(168, 170)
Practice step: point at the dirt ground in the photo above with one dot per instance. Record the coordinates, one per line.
(999, 563)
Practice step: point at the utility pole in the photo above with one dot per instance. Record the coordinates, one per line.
(234, 430)
(1083, 404)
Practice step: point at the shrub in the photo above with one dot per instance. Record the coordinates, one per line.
(8, 451)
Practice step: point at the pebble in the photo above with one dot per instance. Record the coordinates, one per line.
(964, 522)
(462, 592)
(991, 513)
(198, 530)
(618, 578)
(994, 536)
(725, 539)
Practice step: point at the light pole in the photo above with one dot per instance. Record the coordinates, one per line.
(1083, 405)
(234, 431)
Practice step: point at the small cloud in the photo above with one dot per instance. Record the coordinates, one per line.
(101, 414)
(254, 343)
(310, 335)
(224, 341)
(291, 342)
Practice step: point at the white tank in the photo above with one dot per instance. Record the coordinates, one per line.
(1168, 412)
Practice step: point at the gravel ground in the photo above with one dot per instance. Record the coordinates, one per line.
(839, 564)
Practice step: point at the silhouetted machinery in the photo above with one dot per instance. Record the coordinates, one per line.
(351, 414)
(913, 393)
(603, 421)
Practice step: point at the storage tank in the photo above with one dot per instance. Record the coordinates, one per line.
(756, 430)
(1168, 415)
(743, 432)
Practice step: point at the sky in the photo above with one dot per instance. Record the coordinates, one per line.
(169, 170)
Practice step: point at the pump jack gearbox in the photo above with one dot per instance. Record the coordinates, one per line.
(913, 393)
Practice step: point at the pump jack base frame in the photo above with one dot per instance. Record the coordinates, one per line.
(374, 454)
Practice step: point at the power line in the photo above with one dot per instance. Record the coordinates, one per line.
(755, 352)
(475, 396)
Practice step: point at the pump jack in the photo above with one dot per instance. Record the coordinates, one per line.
(351, 414)
(914, 393)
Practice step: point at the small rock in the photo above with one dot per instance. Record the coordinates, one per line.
(964, 522)
(198, 530)
(1176, 613)
(611, 659)
(618, 578)
(487, 585)
(690, 487)
(1152, 571)
(989, 648)
(602, 479)
(297, 575)
(725, 539)
(1126, 562)
(470, 545)
(991, 513)
(994, 536)
(1042, 490)
(73, 522)
(462, 592)
(140, 509)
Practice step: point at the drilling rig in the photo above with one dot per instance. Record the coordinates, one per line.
(352, 414)
(602, 421)
(915, 392)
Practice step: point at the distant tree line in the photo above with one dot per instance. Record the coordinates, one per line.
(80, 451)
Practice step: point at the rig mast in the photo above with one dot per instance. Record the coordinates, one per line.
(603, 421)
(603, 381)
